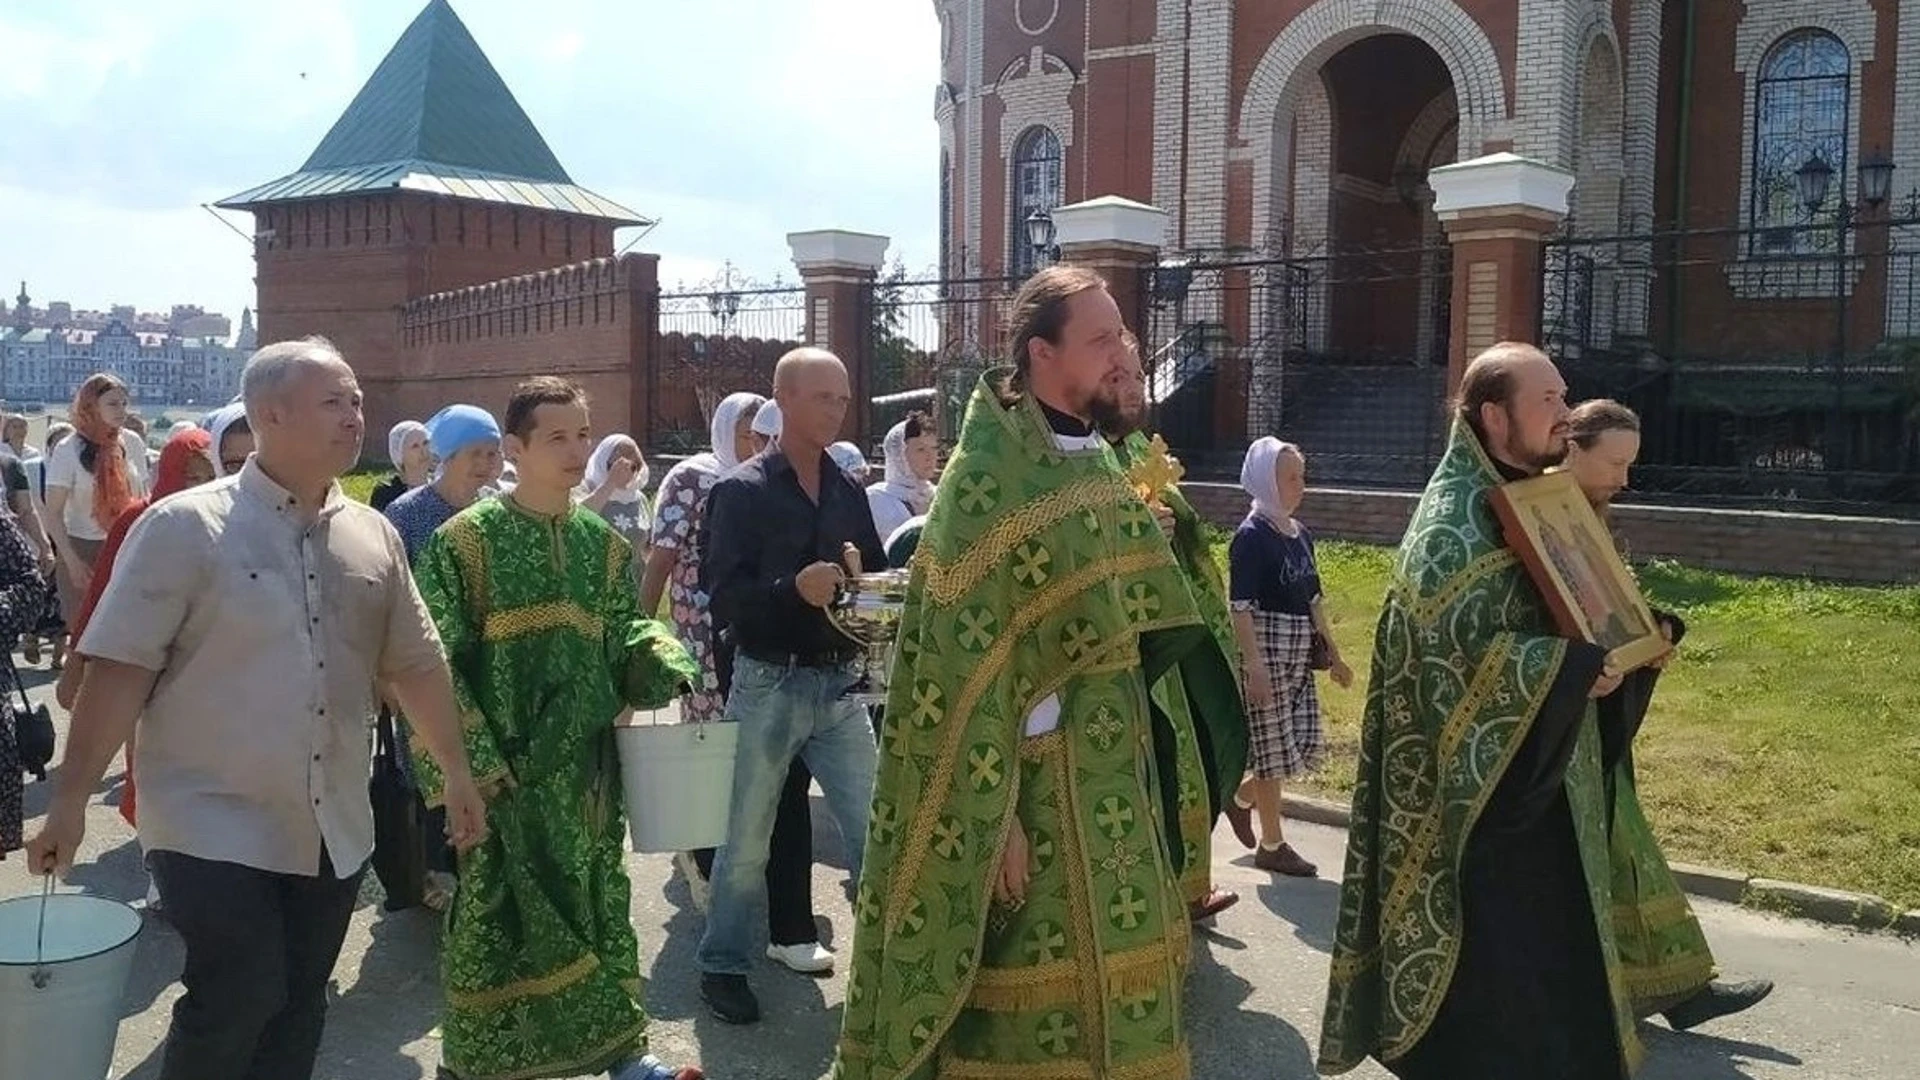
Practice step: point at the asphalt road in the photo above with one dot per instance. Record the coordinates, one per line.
(1848, 1006)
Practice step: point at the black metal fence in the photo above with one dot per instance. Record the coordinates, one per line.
(711, 341)
(1761, 379)
(927, 343)
(1343, 353)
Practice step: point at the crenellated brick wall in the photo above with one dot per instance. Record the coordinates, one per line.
(1845, 549)
(590, 321)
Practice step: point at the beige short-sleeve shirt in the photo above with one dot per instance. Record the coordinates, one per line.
(268, 635)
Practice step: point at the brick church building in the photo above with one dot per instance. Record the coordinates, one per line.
(1740, 170)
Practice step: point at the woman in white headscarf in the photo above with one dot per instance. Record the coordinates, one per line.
(408, 450)
(1281, 623)
(614, 488)
(675, 556)
(913, 458)
(232, 438)
(766, 422)
(851, 460)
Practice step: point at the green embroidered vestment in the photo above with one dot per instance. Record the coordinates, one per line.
(1464, 658)
(1039, 575)
(541, 626)
(1206, 717)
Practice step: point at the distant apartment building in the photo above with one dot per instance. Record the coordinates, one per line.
(45, 362)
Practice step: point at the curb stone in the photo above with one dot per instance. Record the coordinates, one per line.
(1833, 907)
(1712, 882)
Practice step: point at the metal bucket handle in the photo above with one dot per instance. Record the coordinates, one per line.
(40, 976)
(699, 726)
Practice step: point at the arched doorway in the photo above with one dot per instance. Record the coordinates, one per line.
(1359, 318)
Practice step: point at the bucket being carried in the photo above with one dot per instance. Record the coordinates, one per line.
(64, 963)
(678, 780)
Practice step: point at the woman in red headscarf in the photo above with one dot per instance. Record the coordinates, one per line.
(91, 479)
(187, 461)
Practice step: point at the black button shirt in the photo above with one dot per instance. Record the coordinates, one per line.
(761, 530)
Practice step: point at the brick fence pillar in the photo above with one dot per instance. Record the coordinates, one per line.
(1119, 239)
(640, 275)
(839, 269)
(1497, 211)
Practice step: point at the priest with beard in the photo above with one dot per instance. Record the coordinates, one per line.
(1202, 717)
(1474, 939)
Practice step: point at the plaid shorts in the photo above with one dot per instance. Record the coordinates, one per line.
(1286, 739)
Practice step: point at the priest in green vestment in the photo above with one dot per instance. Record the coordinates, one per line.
(1205, 716)
(1019, 912)
(541, 623)
(1474, 937)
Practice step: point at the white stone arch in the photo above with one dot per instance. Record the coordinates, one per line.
(1425, 148)
(1599, 167)
(1322, 30)
(1421, 147)
(1599, 139)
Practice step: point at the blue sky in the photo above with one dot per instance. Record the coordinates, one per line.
(734, 122)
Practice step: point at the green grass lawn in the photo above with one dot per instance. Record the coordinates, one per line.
(1784, 741)
(359, 485)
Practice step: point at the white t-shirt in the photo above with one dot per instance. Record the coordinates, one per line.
(64, 471)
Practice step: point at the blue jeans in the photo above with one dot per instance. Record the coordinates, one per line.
(783, 711)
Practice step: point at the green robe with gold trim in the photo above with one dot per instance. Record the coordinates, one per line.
(1474, 935)
(540, 621)
(1039, 575)
(1662, 948)
(1206, 718)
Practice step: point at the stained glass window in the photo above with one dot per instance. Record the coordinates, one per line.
(1038, 184)
(1800, 110)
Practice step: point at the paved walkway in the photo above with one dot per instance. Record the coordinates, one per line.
(1848, 1007)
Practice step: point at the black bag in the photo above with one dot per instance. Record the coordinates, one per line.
(399, 852)
(33, 729)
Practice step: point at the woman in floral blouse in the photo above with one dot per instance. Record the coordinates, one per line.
(675, 558)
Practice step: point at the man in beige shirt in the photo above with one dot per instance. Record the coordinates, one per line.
(248, 620)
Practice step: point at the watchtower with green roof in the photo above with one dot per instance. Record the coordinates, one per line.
(434, 179)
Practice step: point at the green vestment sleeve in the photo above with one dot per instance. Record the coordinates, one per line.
(650, 665)
(455, 607)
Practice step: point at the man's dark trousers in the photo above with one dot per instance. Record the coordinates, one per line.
(260, 949)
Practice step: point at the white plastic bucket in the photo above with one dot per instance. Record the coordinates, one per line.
(678, 782)
(61, 992)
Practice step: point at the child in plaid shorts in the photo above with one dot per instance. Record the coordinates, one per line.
(1282, 626)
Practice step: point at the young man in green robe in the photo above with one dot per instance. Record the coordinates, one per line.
(541, 623)
(1206, 717)
(1019, 912)
(1474, 936)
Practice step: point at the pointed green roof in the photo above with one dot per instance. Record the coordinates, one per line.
(435, 116)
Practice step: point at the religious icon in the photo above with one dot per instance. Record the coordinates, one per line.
(1155, 472)
(1569, 554)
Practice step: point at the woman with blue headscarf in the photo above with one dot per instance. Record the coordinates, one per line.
(465, 440)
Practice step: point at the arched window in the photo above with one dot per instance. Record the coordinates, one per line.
(1801, 106)
(1038, 184)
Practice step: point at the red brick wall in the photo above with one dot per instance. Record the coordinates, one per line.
(1863, 550)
